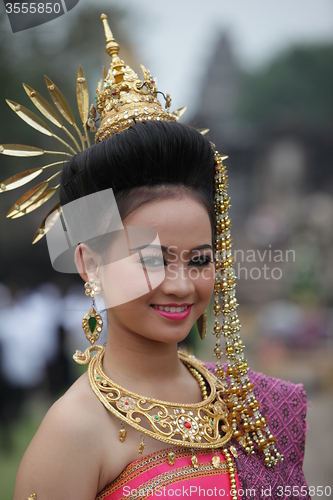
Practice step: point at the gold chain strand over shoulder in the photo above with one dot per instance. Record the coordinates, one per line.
(201, 425)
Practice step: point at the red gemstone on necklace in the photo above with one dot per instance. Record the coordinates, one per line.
(126, 402)
(187, 425)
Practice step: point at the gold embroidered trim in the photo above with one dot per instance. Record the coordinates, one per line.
(185, 473)
(146, 463)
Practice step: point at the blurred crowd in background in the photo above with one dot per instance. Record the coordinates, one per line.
(276, 125)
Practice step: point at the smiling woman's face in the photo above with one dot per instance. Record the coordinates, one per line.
(178, 274)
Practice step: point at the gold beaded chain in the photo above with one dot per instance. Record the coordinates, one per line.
(231, 469)
(226, 452)
(200, 379)
(248, 425)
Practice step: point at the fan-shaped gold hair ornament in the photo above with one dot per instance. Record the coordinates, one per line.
(30, 197)
(122, 99)
(82, 96)
(46, 109)
(63, 106)
(35, 122)
(22, 150)
(52, 217)
(22, 178)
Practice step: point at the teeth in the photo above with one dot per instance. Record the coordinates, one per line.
(172, 309)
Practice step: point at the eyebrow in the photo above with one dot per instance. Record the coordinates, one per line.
(166, 249)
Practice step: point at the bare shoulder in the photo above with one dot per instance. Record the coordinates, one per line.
(64, 458)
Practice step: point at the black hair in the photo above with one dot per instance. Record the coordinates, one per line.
(148, 161)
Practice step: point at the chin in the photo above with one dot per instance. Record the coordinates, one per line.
(165, 336)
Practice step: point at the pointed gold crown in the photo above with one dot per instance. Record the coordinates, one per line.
(122, 100)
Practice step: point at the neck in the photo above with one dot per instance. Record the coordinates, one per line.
(136, 362)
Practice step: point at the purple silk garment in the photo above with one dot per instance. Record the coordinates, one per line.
(283, 404)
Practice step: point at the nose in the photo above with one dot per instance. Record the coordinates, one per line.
(177, 281)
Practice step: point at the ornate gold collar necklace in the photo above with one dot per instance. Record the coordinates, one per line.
(201, 425)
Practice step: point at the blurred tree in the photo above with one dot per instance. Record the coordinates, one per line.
(294, 92)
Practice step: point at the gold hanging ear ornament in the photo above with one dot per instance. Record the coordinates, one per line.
(92, 322)
(202, 325)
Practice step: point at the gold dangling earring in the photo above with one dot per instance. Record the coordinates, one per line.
(92, 322)
(202, 325)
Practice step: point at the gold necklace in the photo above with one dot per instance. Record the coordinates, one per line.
(201, 425)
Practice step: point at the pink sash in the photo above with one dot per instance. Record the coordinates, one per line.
(151, 477)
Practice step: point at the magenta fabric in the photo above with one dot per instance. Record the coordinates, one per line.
(152, 477)
(283, 404)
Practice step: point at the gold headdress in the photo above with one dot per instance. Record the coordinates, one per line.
(122, 99)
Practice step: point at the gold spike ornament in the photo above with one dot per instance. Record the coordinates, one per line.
(122, 99)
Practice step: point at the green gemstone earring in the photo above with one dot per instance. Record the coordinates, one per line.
(92, 322)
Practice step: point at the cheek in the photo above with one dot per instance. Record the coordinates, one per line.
(129, 312)
(126, 280)
(204, 280)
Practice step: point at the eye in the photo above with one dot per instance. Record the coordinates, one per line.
(153, 261)
(201, 260)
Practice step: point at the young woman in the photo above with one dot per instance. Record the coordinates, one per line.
(146, 420)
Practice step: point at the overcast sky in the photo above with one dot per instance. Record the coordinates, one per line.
(174, 39)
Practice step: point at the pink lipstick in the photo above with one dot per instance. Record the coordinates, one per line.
(173, 315)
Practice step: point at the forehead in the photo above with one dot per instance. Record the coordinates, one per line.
(182, 221)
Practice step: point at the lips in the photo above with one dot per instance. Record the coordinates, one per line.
(174, 312)
(171, 308)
